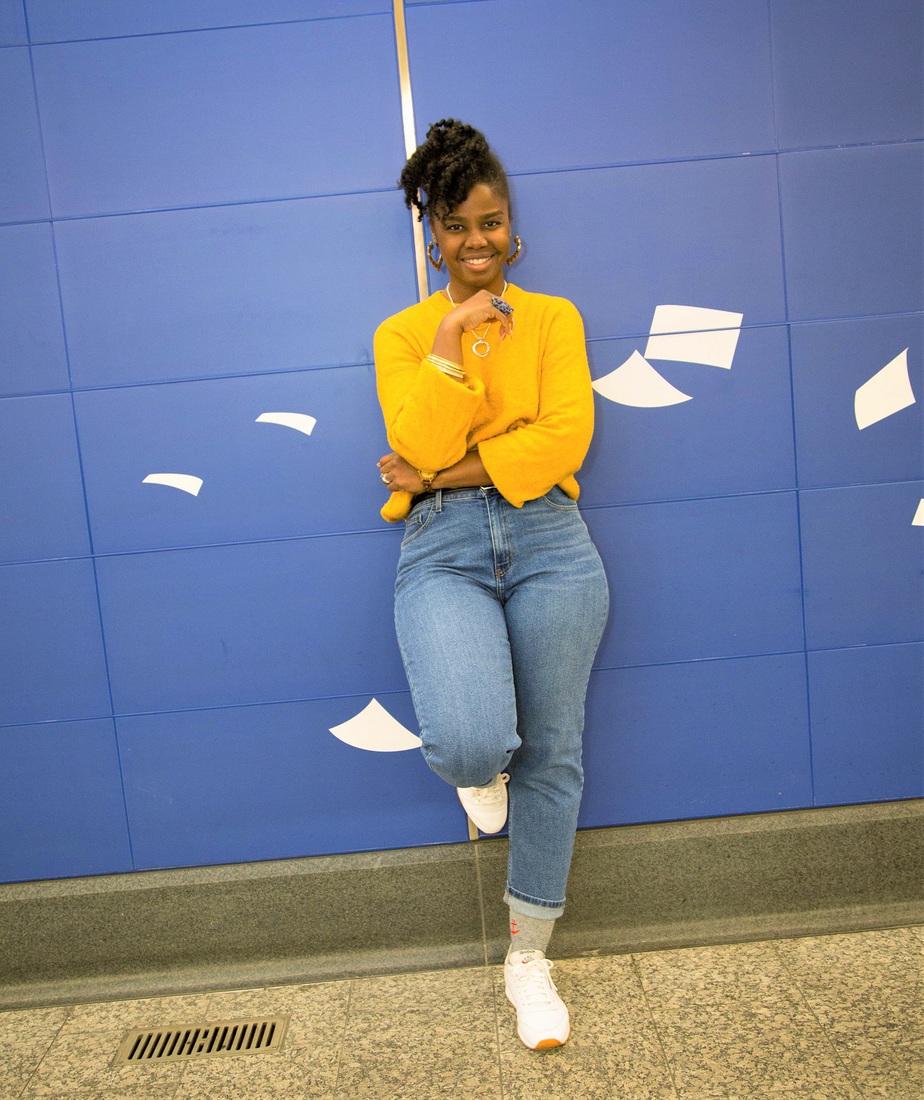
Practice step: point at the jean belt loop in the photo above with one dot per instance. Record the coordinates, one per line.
(439, 500)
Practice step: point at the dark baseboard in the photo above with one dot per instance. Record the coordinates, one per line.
(633, 888)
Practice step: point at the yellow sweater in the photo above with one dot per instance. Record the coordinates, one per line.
(527, 406)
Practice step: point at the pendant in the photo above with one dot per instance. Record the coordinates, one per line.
(481, 342)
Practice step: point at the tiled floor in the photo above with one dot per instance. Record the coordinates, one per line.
(826, 1018)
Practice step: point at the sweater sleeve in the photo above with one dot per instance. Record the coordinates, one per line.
(428, 415)
(528, 460)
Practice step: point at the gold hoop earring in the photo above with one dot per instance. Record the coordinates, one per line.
(438, 264)
(513, 259)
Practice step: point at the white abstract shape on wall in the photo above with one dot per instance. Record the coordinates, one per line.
(375, 730)
(692, 334)
(638, 384)
(301, 422)
(187, 482)
(918, 520)
(887, 392)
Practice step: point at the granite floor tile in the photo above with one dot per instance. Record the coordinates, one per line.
(733, 1025)
(614, 1048)
(868, 993)
(77, 1065)
(146, 1012)
(421, 1036)
(274, 1076)
(25, 1037)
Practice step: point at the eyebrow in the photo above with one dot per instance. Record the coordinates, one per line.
(460, 218)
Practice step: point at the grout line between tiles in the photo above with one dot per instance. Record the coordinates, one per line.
(668, 1063)
(803, 997)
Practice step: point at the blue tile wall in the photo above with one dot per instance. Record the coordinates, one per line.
(696, 740)
(700, 579)
(853, 221)
(827, 58)
(51, 648)
(199, 224)
(12, 23)
(615, 85)
(32, 353)
(251, 623)
(62, 20)
(259, 480)
(867, 722)
(862, 559)
(830, 362)
(272, 790)
(230, 290)
(61, 807)
(119, 136)
(23, 191)
(41, 497)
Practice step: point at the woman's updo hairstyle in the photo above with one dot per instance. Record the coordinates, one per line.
(447, 166)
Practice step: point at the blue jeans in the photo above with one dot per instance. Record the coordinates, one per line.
(499, 612)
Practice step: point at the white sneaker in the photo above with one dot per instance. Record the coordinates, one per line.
(486, 806)
(542, 1016)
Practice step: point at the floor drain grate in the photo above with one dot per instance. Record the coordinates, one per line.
(163, 1044)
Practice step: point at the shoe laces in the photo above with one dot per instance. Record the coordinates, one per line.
(486, 796)
(535, 987)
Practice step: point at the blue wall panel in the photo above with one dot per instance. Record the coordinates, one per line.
(702, 578)
(848, 72)
(868, 723)
(853, 221)
(23, 191)
(271, 794)
(733, 436)
(12, 23)
(863, 565)
(63, 20)
(260, 480)
(252, 623)
(621, 241)
(121, 137)
(604, 83)
(61, 806)
(231, 290)
(51, 650)
(32, 357)
(41, 497)
(830, 362)
(696, 740)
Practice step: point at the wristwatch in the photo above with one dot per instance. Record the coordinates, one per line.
(426, 477)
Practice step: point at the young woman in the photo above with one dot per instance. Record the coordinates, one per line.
(501, 598)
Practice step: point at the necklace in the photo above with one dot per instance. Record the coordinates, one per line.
(480, 341)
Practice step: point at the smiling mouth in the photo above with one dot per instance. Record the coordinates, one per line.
(477, 261)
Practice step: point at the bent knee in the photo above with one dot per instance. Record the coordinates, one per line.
(464, 761)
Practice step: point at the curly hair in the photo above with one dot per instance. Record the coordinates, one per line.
(447, 166)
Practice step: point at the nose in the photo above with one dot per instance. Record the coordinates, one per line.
(476, 238)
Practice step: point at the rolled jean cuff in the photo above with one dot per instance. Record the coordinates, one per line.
(533, 907)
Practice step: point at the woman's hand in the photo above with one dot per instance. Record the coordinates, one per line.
(397, 474)
(477, 311)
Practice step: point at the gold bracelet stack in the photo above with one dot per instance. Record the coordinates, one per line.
(454, 370)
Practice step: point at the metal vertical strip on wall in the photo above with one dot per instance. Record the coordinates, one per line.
(410, 138)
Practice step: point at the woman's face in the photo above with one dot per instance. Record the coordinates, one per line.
(474, 241)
